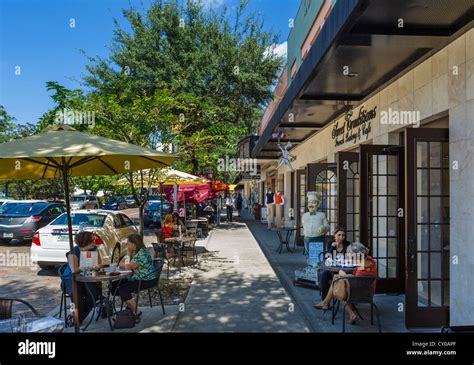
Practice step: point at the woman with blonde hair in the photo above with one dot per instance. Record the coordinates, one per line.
(167, 228)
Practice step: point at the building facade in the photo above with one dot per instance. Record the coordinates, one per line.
(380, 118)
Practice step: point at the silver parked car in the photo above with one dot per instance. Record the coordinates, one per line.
(84, 202)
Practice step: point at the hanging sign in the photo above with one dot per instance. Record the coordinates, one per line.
(353, 129)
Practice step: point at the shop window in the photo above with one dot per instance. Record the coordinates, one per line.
(293, 70)
(352, 202)
(326, 186)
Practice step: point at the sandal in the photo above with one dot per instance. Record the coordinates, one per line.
(354, 320)
(137, 317)
(321, 306)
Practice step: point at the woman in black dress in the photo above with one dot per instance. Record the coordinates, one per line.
(336, 247)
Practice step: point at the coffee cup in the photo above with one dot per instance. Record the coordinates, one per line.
(113, 267)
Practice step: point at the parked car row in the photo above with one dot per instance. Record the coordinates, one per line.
(21, 219)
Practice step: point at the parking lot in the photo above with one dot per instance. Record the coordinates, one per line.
(21, 280)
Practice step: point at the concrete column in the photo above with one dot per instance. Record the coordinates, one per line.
(461, 155)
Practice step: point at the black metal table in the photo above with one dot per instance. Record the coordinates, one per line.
(104, 303)
(336, 269)
(284, 236)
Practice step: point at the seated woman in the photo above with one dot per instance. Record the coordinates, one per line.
(85, 303)
(167, 228)
(141, 263)
(368, 268)
(177, 223)
(336, 247)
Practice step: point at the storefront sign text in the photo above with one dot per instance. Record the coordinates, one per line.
(353, 129)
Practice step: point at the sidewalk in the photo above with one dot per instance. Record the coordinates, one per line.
(236, 289)
(391, 307)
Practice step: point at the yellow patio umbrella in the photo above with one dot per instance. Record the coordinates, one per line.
(61, 151)
(168, 176)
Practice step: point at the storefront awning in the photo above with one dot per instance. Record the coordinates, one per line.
(363, 46)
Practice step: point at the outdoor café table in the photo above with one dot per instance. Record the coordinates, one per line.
(178, 243)
(103, 278)
(335, 268)
(284, 236)
(42, 324)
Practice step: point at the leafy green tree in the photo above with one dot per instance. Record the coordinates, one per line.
(66, 100)
(6, 124)
(224, 61)
(36, 189)
(93, 184)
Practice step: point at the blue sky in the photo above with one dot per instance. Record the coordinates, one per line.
(37, 41)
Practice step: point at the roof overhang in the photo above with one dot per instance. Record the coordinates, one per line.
(379, 40)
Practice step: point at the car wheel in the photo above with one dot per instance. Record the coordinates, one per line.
(115, 254)
(45, 267)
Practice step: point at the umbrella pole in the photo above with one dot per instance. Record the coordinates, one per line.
(161, 203)
(71, 244)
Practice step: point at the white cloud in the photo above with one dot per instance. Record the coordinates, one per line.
(212, 3)
(279, 50)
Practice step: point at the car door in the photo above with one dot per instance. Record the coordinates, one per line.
(120, 229)
(128, 225)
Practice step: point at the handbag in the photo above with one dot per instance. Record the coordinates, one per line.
(124, 319)
(340, 288)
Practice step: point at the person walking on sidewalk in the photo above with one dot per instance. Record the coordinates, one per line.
(270, 204)
(229, 203)
(238, 204)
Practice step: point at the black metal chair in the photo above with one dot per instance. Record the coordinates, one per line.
(359, 292)
(158, 265)
(190, 246)
(64, 294)
(6, 305)
(162, 250)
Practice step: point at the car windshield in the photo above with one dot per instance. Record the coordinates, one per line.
(78, 199)
(111, 201)
(156, 206)
(6, 207)
(86, 220)
(27, 209)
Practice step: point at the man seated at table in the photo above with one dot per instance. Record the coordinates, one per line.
(85, 242)
(368, 267)
(141, 263)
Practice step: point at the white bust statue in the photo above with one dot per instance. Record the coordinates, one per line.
(315, 223)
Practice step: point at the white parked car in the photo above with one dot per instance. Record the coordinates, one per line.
(84, 202)
(51, 243)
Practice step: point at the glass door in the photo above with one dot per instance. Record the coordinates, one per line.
(322, 178)
(382, 213)
(427, 227)
(348, 185)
